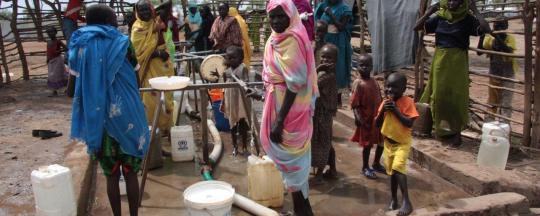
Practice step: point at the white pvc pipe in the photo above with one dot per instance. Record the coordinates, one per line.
(218, 145)
(239, 200)
(252, 207)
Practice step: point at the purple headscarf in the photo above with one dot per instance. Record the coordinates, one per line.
(303, 6)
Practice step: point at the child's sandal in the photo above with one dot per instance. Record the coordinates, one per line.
(369, 173)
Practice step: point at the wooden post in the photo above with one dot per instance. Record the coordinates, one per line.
(3, 57)
(527, 20)
(535, 139)
(18, 41)
(419, 59)
(39, 20)
(360, 4)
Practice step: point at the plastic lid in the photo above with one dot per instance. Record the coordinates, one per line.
(209, 195)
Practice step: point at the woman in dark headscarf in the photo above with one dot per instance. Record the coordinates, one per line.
(202, 42)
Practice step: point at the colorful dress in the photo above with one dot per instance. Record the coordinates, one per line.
(289, 65)
(342, 39)
(396, 154)
(225, 33)
(233, 106)
(146, 40)
(107, 113)
(447, 90)
(56, 76)
(325, 109)
(366, 98)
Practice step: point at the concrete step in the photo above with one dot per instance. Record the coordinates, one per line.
(493, 204)
(459, 167)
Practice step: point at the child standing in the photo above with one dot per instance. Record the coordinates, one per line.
(395, 118)
(501, 100)
(321, 29)
(325, 107)
(56, 77)
(233, 106)
(365, 99)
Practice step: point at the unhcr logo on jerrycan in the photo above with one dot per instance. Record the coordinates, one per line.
(183, 148)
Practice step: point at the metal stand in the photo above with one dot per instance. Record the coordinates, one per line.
(155, 121)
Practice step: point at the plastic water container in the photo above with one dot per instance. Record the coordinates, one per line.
(182, 144)
(496, 128)
(222, 124)
(495, 145)
(209, 198)
(493, 152)
(53, 191)
(265, 184)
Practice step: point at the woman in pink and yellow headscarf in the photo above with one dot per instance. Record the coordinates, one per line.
(291, 90)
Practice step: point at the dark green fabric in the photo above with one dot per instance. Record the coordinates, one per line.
(447, 90)
(111, 154)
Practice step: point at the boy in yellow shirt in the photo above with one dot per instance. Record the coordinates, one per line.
(395, 118)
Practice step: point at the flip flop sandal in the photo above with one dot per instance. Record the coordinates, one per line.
(379, 168)
(369, 173)
(35, 133)
(49, 134)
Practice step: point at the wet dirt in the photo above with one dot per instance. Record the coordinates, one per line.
(24, 107)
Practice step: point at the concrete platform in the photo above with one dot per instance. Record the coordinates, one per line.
(459, 167)
(487, 205)
(351, 194)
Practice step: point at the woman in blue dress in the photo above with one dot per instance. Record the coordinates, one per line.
(339, 18)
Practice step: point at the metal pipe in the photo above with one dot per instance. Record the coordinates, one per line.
(152, 134)
(207, 86)
(204, 125)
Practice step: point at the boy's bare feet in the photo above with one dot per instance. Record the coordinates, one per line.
(393, 205)
(406, 208)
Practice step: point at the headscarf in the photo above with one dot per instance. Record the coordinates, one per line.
(106, 93)
(303, 6)
(289, 63)
(144, 39)
(246, 42)
(453, 16)
(196, 17)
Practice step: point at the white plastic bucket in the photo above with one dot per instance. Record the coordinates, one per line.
(209, 198)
